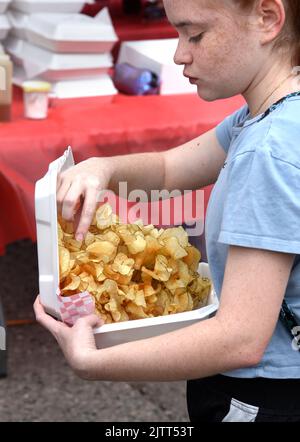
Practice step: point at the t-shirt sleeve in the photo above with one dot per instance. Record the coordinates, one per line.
(262, 206)
(224, 129)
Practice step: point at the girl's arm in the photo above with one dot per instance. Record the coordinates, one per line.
(254, 285)
(188, 167)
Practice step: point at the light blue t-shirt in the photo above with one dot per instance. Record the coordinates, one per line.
(256, 203)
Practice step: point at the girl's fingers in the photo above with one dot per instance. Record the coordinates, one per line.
(47, 321)
(71, 200)
(89, 321)
(87, 213)
(61, 194)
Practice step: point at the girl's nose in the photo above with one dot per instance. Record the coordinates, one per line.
(182, 55)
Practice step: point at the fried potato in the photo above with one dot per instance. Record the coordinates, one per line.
(132, 271)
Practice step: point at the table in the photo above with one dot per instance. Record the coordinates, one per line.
(93, 127)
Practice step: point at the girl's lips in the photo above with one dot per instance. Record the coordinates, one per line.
(192, 80)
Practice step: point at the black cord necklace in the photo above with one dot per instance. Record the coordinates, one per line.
(275, 105)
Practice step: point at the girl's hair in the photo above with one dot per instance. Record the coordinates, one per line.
(290, 34)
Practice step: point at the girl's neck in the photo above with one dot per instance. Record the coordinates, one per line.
(276, 84)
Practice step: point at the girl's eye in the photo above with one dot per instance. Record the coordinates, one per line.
(197, 38)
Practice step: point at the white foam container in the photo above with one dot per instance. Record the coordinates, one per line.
(3, 5)
(4, 27)
(34, 6)
(55, 67)
(48, 261)
(100, 86)
(19, 23)
(158, 57)
(66, 33)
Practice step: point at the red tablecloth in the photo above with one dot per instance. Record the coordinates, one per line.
(93, 127)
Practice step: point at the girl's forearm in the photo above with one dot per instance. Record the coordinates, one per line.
(197, 351)
(145, 171)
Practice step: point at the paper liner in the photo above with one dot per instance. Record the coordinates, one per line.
(75, 306)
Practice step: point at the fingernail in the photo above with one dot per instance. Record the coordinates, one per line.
(79, 237)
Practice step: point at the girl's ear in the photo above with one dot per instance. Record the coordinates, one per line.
(271, 19)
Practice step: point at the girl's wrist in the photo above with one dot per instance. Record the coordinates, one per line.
(105, 168)
(85, 368)
(111, 169)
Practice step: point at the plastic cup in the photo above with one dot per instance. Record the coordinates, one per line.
(36, 99)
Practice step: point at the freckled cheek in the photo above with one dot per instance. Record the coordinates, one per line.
(210, 61)
(217, 68)
(224, 58)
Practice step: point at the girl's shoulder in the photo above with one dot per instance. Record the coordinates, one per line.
(283, 136)
(277, 134)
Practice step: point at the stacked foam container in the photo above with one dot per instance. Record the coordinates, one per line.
(50, 40)
(4, 22)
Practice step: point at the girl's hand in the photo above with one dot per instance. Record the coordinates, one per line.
(78, 188)
(77, 342)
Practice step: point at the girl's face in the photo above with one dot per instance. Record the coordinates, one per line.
(218, 50)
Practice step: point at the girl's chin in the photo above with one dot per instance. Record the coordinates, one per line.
(211, 94)
(206, 95)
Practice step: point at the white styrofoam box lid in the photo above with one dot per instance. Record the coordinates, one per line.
(72, 33)
(34, 6)
(4, 27)
(3, 5)
(158, 57)
(37, 60)
(73, 27)
(17, 18)
(158, 53)
(4, 22)
(90, 87)
(48, 261)
(100, 86)
(46, 224)
(18, 22)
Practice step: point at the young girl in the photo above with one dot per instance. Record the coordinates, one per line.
(240, 364)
